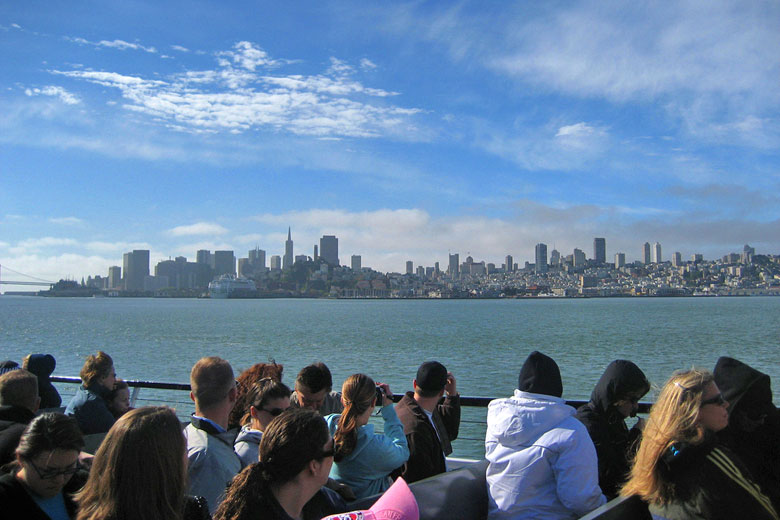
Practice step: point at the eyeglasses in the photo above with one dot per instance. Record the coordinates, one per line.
(718, 400)
(327, 453)
(274, 411)
(48, 474)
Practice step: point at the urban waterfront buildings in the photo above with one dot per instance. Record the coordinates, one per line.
(136, 268)
(540, 254)
(329, 249)
(288, 251)
(600, 250)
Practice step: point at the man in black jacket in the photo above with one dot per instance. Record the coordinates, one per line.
(430, 421)
(18, 403)
(615, 397)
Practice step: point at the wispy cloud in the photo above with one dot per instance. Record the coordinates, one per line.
(66, 221)
(33, 245)
(54, 91)
(115, 44)
(199, 228)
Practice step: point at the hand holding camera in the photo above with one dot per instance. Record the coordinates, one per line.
(383, 394)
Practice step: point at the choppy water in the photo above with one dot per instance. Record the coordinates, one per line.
(483, 342)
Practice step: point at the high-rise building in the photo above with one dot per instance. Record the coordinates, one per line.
(287, 263)
(600, 250)
(555, 257)
(204, 256)
(697, 258)
(436, 270)
(136, 268)
(224, 263)
(329, 249)
(114, 277)
(257, 258)
(509, 264)
(316, 253)
(541, 258)
(657, 253)
(356, 262)
(453, 269)
(579, 258)
(677, 259)
(421, 271)
(620, 260)
(646, 252)
(276, 263)
(409, 267)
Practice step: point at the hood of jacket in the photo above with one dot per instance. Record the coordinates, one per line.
(620, 379)
(745, 388)
(42, 365)
(247, 434)
(525, 417)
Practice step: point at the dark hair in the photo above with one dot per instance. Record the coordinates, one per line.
(245, 381)
(315, 377)
(146, 446)
(211, 379)
(431, 379)
(290, 442)
(359, 394)
(96, 366)
(49, 432)
(262, 392)
(19, 388)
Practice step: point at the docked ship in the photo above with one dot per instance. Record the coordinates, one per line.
(229, 286)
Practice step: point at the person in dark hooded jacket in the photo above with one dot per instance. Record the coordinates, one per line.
(43, 365)
(614, 398)
(753, 432)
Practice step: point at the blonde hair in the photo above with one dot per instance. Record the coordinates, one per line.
(673, 418)
(358, 393)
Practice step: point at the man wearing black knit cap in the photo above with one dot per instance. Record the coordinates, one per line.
(541, 461)
(430, 421)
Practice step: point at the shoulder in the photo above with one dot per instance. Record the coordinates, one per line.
(195, 508)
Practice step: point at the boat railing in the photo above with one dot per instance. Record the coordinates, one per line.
(470, 442)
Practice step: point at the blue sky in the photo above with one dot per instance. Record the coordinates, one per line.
(407, 129)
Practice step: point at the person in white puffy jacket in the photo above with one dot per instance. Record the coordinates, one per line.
(542, 462)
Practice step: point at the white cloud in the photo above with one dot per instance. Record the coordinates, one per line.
(54, 91)
(114, 44)
(67, 221)
(117, 248)
(367, 64)
(199, 228)
(179, 48)
(33, 245)
(248, 56)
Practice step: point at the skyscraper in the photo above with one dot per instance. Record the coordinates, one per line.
(224, 263)
(454, 266)
(287, 263)
(114, 277)
(356, 262)
(136, 268)
(647, 253)
(508, 263)
(600, 250)
(677, 259)
(579, 258)
(541, 258)
(620, 260)
(657, 253)
(409, 267)
(555, 257)
(276, 263)
(257, 258)
(329, 249)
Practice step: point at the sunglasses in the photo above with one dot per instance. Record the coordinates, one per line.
(327, 453)
(274, 411)
(718, 400)
(48, 474)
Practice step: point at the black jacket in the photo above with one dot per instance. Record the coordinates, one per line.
(710, 483)
(427, 449)
(13, 421)
(17, 502)
(753, 432)
(614, 442)
(43, 365)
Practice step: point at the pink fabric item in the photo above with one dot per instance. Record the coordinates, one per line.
(397, 503)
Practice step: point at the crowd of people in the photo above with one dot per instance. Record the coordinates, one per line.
(254, 448)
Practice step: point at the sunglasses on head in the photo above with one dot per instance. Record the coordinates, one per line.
(718, 400)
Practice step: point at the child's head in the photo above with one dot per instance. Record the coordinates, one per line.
(119, 401)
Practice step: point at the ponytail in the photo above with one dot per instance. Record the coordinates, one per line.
(247, 494)
(358, 393)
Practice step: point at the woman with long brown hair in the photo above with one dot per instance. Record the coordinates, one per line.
(365, 459)
(89, 405)
(679, 469)
(140, 471)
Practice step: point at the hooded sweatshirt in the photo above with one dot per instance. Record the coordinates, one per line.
(753, 433)
(614, 442)
(247, 445)
(541, 461)
(43, 365)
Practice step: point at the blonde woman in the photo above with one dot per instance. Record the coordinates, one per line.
(364, 459)
(679, 469)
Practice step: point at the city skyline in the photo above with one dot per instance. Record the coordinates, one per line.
(409, 131)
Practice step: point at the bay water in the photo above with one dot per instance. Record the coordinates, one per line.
(483, 342)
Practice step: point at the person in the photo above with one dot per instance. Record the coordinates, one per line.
(268, 398)
(430, 421)
(753, 433)
(90, 403)
(19, 401)
(364, 460)
(244, 383)
(119, 399)
(41, 484)
(43, 365)
(8, 366)
(314, 390)
(296, 454)
(615, 397)
(212, 461)
(541, 461)
(139, 471)
(397, 503)
(680, 470)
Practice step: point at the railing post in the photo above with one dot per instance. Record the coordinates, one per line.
(136, 391)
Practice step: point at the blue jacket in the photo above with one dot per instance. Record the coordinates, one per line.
(90, 408)
(366, 469)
